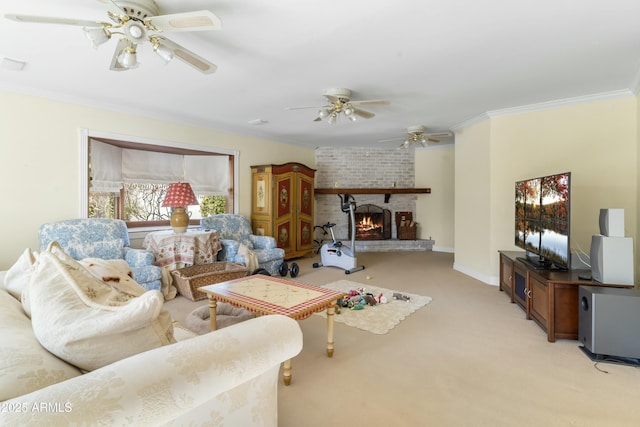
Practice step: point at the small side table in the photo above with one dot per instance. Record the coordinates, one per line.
(178, 250)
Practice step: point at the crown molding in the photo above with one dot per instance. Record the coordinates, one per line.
(586, 99)
(470, 122)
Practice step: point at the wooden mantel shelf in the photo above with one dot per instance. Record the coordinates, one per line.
(386, 191)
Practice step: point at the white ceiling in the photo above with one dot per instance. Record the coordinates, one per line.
(440, 63)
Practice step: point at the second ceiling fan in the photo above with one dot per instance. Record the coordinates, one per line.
(340, 103)
(417, 135)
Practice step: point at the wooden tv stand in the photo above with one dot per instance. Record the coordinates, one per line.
(549, 297)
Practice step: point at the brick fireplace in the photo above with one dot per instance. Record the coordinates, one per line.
(367, 167)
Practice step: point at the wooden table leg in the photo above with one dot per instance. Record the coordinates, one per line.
(212, 313)
(331, 311)
(286, 368)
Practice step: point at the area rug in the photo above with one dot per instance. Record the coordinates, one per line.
(380, 318)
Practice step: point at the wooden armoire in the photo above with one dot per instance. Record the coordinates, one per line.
(282, 206)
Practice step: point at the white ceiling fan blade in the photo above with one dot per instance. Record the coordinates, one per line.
(314, 106)
(438, 135)
(332, 99)
(115, 63)
(196, 61)
(202, 20)
(362, 113)
(113, 7)
(51, 20)
(392, 139)
(371, 102)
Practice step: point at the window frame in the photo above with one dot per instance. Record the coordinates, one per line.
(129, 141)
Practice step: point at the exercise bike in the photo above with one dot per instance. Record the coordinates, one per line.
(334, 254)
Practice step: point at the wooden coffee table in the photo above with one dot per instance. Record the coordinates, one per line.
(264, 295)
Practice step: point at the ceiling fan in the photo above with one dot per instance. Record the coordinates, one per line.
(416, 134)
(135, 21)
(340, 102)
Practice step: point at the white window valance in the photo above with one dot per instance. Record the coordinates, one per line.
(208, 175)
(151, 168)
(106, 168)
(111, 166)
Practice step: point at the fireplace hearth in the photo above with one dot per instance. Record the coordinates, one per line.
(372, 223)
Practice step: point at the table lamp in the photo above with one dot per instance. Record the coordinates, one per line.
(179, 196)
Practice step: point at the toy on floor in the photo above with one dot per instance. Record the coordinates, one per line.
(357, 299)
(401, 297)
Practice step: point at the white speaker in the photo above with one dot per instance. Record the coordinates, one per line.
(612, 222)
(611, 260)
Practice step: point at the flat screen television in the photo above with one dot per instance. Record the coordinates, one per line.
(542, 219)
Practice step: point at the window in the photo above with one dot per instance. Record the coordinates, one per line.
(127, 178)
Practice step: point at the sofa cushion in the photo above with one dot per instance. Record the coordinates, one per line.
(19, 274)
(25, 366)
(87, 322)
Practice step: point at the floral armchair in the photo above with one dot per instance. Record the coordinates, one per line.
(235, 230)
(102, 238)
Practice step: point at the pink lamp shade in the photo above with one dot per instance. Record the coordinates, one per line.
(179, 194)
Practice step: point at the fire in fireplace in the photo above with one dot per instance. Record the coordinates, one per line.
(372, 223)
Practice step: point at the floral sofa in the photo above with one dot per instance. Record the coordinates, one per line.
(102, 238)
(239, 242)
(228, 377)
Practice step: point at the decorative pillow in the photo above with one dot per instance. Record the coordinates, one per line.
(105, 249)
(83, 321)
(19, 274)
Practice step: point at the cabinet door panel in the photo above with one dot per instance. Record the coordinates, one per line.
(283, 235)
(520, 287)
(305, 196)
(305, 234)
(506, 276)
(539, 299)
(261, 200)
(283, 196)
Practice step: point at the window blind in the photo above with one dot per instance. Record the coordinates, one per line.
(111, 166)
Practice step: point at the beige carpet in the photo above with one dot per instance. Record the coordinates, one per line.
(380, 318)
(469, 359)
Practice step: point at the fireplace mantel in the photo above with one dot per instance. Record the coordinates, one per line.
(386, 191)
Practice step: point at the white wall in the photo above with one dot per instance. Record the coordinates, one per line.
(40, 158)
(435, 169)
(597, 142)
(473, 198)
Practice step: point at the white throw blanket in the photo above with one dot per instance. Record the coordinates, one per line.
(250, 256)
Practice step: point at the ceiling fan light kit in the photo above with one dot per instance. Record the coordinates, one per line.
(97, 36)
(134, 20)
(340, 103)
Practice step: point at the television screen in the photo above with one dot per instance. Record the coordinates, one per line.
(554, 219)
(542, 219)
(528, 215)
